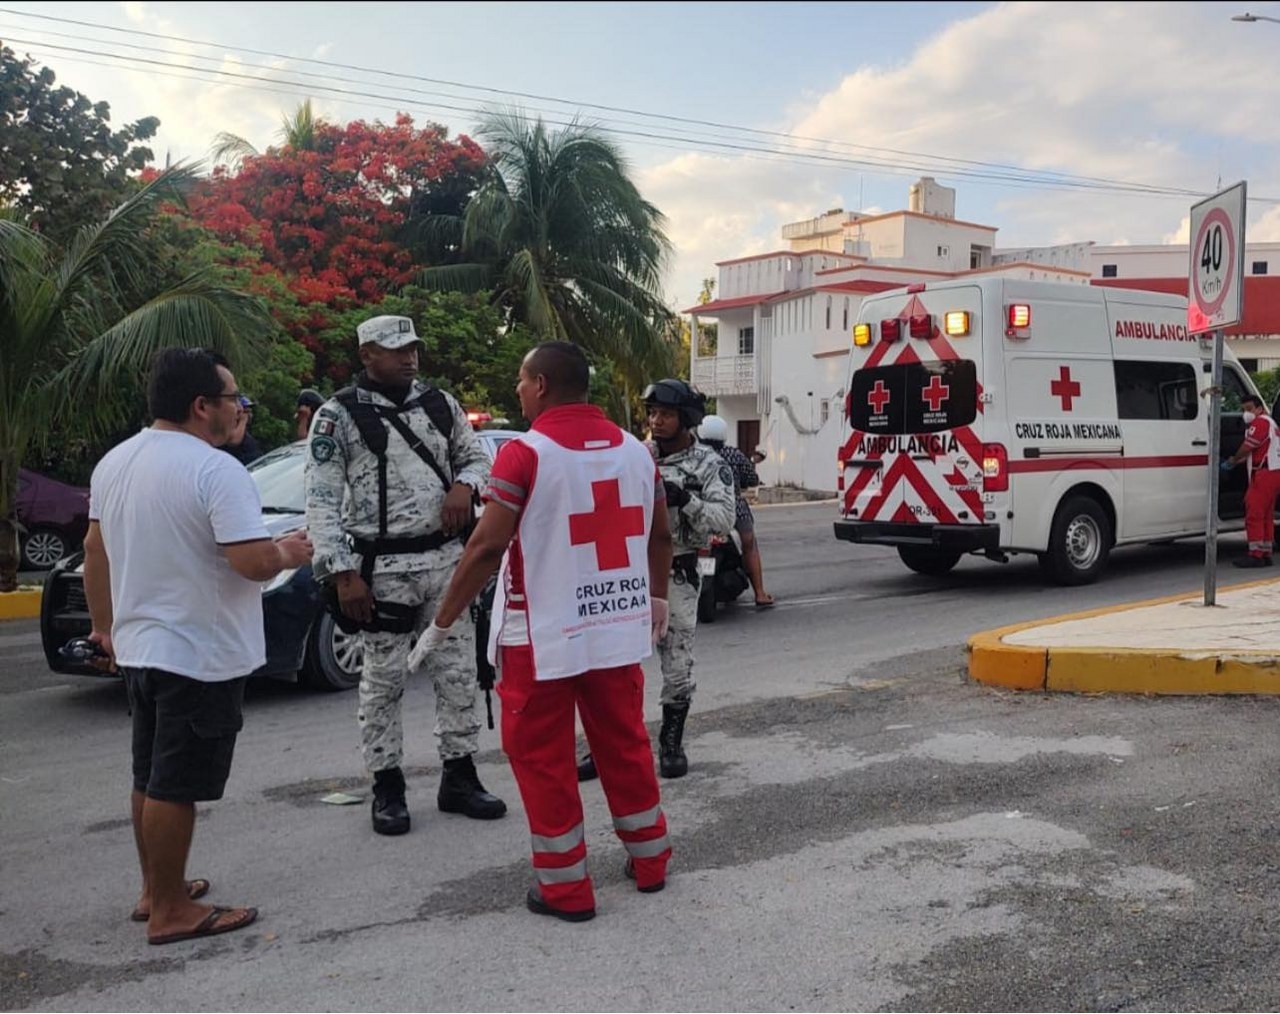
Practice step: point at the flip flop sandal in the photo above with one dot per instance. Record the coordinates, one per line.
(210, 925)
(197, 888)
(766, 604)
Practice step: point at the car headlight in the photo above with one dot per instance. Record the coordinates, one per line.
(279, 581)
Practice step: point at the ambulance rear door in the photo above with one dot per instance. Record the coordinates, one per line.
(912, 455)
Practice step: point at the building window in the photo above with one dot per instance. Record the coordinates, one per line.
(1259, 267)
(1108, 271)
(746, 341)
(1250, 365)
(943, 251)
(845, 325)
(824, 411)
(828, 325)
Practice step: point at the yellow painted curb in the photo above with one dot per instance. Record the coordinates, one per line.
(23, 604)
(1117, 670)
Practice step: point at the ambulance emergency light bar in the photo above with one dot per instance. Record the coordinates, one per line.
(956, 323)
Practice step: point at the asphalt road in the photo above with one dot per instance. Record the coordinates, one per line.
(862, 828)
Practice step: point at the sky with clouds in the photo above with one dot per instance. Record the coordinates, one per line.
(739, 118)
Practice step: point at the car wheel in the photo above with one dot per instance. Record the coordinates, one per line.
(928, 560)
(43, 547)
(1079, 542)
(334, 658)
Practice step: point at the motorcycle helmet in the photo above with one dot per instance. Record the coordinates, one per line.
(677, 394)
(713, 430)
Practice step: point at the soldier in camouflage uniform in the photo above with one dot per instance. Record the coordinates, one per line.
(392, 469)
(700, 501)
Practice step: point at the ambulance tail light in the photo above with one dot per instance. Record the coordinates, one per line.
(890, 329)
(995, 468)
(956, 323)
(921, 326)
(839, 475)
(861, 335)
(1019, 321)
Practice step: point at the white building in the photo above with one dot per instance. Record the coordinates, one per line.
(783, 318)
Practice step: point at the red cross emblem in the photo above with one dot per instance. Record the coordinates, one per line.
(878, 397)
(608, 526)
(936, 393)
(1065, 388)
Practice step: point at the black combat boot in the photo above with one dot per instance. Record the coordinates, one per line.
(390, 814)
(672, 763)
(461, 792)
(587, 769)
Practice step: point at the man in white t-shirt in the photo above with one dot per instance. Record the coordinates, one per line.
(174, 559)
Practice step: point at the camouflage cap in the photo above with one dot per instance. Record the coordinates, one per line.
(387, 331)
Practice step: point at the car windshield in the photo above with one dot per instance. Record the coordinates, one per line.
(279, 478)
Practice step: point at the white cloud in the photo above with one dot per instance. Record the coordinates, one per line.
(1168, 94)
(134, 10)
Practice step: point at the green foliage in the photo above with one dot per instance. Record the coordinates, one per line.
(565, 243)
(75, 338)
(60, 161)
(1268, 384)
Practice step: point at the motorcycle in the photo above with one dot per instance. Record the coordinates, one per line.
(724, 578)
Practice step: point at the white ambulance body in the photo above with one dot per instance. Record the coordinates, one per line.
(1001, 416)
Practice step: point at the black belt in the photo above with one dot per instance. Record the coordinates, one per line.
(392, 547)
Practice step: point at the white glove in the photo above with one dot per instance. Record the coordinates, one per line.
(661, 614)
(430, 640)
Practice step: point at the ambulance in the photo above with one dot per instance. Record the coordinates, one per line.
(1000, 416)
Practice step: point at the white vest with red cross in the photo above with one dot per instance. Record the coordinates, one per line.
(1271, 446)
(584, 541)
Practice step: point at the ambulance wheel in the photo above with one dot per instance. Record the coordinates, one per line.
(707, 601)
(929, 560)
(1079, 542)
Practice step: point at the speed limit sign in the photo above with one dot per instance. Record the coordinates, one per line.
(1216, 271)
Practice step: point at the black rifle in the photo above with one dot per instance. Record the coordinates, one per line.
(482, 615)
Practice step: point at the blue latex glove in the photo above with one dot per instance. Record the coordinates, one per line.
(1227, 466)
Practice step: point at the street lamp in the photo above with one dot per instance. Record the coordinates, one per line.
(1246, 16)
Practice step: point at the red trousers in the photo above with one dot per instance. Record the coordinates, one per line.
(538, 737)
(1260, 510)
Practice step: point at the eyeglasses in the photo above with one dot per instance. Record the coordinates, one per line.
(233, 394)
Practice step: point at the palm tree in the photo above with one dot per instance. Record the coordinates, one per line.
(299, 132)
(72, 333)
(563, 239)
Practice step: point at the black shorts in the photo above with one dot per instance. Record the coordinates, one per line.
(184, 734)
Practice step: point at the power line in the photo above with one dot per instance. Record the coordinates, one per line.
(797, 156)
(1021, 174)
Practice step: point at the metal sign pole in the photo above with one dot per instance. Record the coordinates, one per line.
(1215, 474)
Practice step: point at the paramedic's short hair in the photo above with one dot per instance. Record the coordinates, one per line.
(178, 378)
(1252, 399)
(564, 366)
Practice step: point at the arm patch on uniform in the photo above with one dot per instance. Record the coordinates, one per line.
(726, 475)
(325, 427)
(322, 448)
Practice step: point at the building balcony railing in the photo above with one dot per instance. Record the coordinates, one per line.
(720, 375)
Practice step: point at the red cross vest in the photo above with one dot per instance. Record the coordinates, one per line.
(584, 541)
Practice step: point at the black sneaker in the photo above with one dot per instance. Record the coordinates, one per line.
(1253, 561)
(533, 901)
(587, 769)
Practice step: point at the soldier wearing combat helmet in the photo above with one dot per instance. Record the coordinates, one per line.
(700, 503)
(392, 470)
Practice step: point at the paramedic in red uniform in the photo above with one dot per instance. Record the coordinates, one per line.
(1261, 448)
(581, 599)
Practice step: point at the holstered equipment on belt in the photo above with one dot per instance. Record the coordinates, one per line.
(391, 617)
(685, 566)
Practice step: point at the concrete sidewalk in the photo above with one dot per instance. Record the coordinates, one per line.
(1175, 645)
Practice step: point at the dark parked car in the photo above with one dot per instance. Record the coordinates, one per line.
(53, 516)
(303, 642)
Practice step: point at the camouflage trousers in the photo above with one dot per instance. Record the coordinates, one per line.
(675, 651)
(451, 667)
